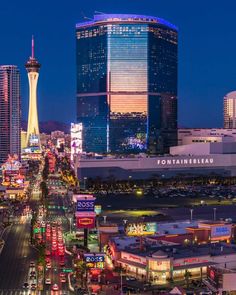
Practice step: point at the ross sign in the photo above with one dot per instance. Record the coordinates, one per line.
(85, 205)
(85, 221)
(94, 260)
(141, 229)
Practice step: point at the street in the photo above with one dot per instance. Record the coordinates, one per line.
(16, 256)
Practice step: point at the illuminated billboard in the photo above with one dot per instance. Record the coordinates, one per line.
(219, 231)
(76, 139)
(34, 140)
(12, 172)
(141, 229)
(60, 142)
(94, 260)
(85, 206)
(86, 221)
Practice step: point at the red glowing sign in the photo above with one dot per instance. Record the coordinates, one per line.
(85, 222)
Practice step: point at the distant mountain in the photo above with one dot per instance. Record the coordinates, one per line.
(49, 126)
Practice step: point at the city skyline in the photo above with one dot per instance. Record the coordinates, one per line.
(204, 76)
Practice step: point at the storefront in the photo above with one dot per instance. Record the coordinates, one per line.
(159, 268)
(134, 264)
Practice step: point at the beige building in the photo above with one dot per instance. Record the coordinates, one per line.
(230, 110)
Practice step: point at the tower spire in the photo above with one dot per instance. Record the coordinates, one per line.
(32, 47)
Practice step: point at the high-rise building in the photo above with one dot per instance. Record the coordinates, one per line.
(230, 110)
(32, 66)
(127, 83)
(10, 112)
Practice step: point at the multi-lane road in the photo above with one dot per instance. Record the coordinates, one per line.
(16, 256)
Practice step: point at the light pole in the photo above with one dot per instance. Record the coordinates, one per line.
(104, 219)
(214, 209)
(121, 284)
(85, 178)
(191, 215)
(70, 223)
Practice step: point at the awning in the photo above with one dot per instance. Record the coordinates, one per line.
(194, 265)
(127, 262)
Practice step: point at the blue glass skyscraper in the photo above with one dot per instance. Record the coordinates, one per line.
(127, 83)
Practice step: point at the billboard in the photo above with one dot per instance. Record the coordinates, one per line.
(85, 221)
(141, 229)
(94, 260)
(76, 139)
(34, 140)
(60, 142)
(214, 275)
(85, 205)
(219, 231)
(98, 209)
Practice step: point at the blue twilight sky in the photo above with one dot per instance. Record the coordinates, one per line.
(207, 50)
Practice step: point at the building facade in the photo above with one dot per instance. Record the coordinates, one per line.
(230, 110)
(127, 84)
(10, 112)
(205, 135)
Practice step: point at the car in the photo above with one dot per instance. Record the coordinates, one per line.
(130, 279)
(48, 259)
(33, 287)
(25, 285)
(48, 281)
(62, 274)
(48, 265)
(55, 287)
(33, 273)
(63, 279)
(47, 253)
(32, 264)
(62, 263)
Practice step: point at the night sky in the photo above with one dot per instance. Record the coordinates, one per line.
(207, 51)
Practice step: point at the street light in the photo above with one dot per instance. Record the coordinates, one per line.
(104, 219)
(85, 178)
(70, 223)
(214, 209)
(191, 215)
(121, 284)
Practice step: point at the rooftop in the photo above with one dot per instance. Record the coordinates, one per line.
(179, 251)
(132, 18)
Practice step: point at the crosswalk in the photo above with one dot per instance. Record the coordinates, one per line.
(22, 292)
(17, 292)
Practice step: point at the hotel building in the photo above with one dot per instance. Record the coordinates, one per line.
(127, 84)
(10, 112)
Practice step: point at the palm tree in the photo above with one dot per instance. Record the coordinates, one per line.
(187, 276)
(82, 269)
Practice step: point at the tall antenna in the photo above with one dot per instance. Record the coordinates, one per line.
(32, 47)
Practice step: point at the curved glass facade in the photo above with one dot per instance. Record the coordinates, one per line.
(127, 84)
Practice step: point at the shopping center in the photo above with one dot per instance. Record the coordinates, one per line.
(148, 254)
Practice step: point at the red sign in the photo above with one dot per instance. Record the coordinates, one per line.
(85, 222)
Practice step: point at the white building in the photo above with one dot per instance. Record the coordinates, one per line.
(205, 135)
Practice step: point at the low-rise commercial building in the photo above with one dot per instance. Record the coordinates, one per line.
(161, 264)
